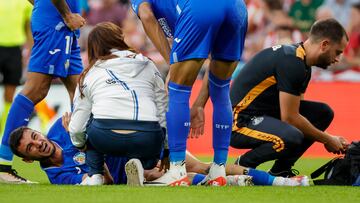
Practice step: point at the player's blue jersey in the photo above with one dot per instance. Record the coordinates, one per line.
(73, 167)
(46, 13)
(165, 12)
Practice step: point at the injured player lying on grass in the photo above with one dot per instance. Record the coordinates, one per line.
(65, 164)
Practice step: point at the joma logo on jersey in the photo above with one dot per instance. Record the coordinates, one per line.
(52, 52)
(222, 127)
(158, 74)
(110, 81)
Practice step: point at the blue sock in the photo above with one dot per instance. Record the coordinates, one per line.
(219, 91)
(197, 179)
(19, 115)
(261, 177)
(178, 120)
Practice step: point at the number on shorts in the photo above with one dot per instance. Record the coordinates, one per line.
(68, 43)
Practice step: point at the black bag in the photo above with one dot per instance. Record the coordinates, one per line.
(341, 170)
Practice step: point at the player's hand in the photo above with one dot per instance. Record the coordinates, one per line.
(197, 121)
(344, 143)
(74, 21)
(165, 161)
(153, 174)
(66, 120)
(335, 144)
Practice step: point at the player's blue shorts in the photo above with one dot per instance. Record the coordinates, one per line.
(55, 51)
(216, 26)
(116, 166)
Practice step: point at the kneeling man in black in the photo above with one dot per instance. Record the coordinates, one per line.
(270, 116)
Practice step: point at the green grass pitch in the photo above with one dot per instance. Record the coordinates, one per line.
(44, 192)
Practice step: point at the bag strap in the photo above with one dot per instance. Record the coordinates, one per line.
(328, 182)
(323, 168)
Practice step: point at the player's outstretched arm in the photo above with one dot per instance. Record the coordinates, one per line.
(72, 20)
(289, 109)
(197, 113)
(154, 31)
(79, 119)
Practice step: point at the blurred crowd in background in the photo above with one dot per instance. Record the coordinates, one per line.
(270, 22)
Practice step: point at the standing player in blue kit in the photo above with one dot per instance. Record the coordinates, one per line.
(55, 53)
(198, 28)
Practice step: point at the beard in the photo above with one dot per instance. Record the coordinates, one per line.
(51, 153)
(323, 61)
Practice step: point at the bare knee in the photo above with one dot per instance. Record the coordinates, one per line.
(36, 91)
(222, 69)
(70, 83)
(9, 92)
(185, 72)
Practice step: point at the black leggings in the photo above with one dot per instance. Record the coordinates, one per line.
(271, 139)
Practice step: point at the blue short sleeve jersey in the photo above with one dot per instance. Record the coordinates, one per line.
(164, 11)
(74, 167)
(201, 27)
(55, 51)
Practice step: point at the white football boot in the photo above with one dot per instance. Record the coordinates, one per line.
(216, 176)
(96, 179)
(293, 181)
(175, 176)
(134, 173)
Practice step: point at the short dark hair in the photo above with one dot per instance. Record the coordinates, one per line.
(328, 28)
(14, 140)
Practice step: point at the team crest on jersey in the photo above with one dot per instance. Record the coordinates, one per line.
(79, 158)
(257, 120)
